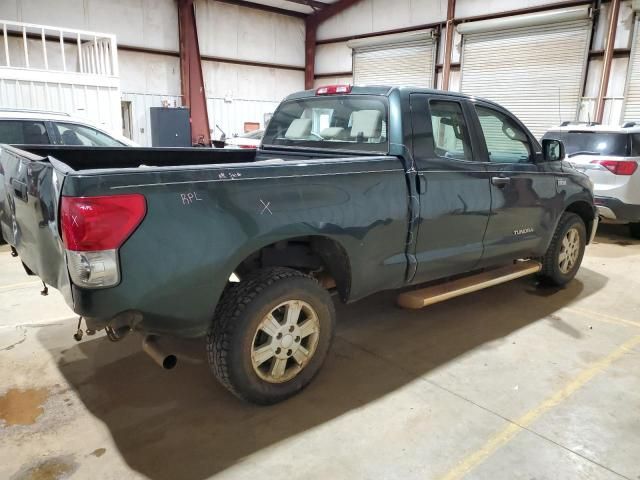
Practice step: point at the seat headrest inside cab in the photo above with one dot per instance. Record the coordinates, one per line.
(299, 128)
(366, 122)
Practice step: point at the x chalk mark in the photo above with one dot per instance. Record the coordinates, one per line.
(265, 207)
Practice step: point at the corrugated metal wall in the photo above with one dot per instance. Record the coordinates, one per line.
(537, 72)
(406, 63)
(98, 105)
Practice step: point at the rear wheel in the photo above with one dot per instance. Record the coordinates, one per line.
(564, 255)
(634, 228)
(271, 335)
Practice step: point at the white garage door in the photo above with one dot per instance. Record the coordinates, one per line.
(632, 91)
(405, 59)
(536, 70)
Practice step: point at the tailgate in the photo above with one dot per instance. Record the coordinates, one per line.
(30, 189)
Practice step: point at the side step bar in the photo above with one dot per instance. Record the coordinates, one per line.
(437, 293)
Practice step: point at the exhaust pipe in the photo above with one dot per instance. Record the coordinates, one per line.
(162, 358)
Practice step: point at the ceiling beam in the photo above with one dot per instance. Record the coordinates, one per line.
(265, 8)
(309, 3)
(332, 9)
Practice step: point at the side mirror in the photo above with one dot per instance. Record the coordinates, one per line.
(552, 150)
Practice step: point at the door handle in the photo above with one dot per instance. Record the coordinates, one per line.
(500, 181)
(19, 189)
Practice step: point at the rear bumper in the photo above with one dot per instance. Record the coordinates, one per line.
(614, 209)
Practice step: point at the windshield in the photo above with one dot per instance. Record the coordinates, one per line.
(255, 135)
(74, 134)
(593, 143)
(347, 122)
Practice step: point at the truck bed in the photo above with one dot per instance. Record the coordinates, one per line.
(91, 158)
(207, 211)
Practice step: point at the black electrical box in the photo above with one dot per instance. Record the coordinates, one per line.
(170, 127)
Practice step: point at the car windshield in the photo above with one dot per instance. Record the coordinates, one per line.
(74, 134)
(255, 135)
(346, 122)
(593, 143)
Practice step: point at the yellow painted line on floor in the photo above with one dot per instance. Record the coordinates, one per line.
(603, 317)
(18, 285)
(511, 430)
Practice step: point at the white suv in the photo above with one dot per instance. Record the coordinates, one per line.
(38, 127)
(609, 156)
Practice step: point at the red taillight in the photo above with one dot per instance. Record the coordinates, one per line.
(248, 146)
(333, 89)
(618, 167)
(92, 224)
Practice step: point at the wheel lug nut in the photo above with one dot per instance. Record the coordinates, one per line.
(289, 352)
(291, 328)
(297, 339)
(278, 350)
(279, 336)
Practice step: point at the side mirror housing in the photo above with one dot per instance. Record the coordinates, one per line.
(552, 150)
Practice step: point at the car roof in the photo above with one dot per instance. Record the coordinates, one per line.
(386, 90)
(26, 114)
(628, 127)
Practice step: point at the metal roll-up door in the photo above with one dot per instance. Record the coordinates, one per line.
(392, 61)
(632, 89)
(536, 71)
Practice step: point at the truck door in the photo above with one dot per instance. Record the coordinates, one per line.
(522, 192)
(453, 188)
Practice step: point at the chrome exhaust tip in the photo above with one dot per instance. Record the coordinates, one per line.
(165, 360)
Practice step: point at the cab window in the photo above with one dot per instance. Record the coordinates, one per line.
(506, 141)
(450, 134)
(25, 132)
(73, 134)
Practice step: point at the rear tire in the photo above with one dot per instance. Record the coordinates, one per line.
(634, 229)
(564, 255)
(265, 361)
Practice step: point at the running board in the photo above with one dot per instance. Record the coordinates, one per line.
(437, 293)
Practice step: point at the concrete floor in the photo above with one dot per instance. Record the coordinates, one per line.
(515, 382)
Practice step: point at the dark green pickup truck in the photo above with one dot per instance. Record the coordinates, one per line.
(353, 191)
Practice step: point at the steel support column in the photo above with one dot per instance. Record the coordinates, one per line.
(311, 28)
(446, 67)
(608, 59)
(192, 83)
(311, 24)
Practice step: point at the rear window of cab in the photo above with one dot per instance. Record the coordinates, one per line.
(336, 122)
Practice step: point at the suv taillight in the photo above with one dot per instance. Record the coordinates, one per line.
(93, 229)
(618, 167)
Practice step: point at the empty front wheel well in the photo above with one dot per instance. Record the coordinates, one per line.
(321, 257)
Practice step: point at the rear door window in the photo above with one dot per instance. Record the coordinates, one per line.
(450, 134)
(25, 132)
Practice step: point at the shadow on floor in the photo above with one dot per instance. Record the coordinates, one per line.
(182, 424)
(615, 234)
